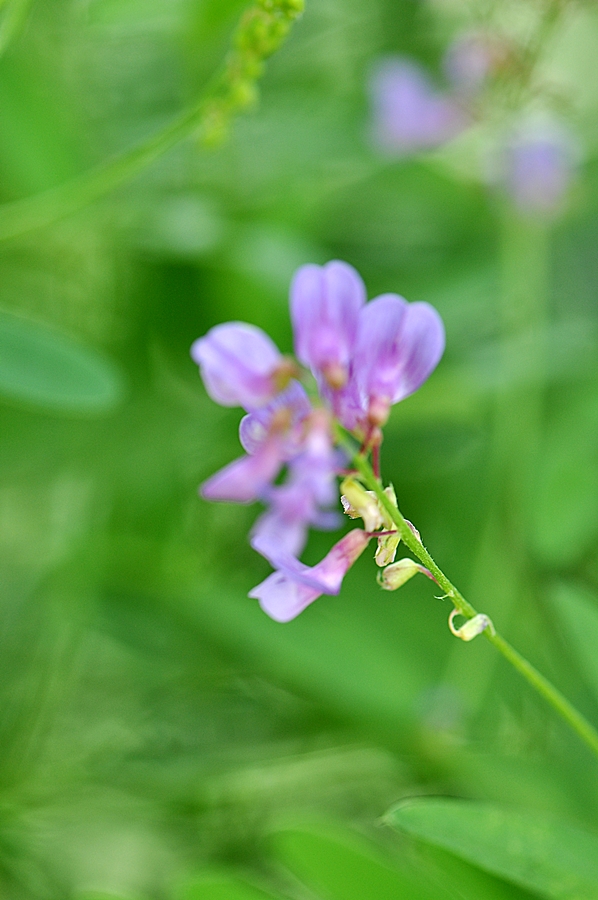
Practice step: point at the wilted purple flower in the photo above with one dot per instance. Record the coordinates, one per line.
(240, 365)
(537, 166)
(325, 305)
(399, 344)
(409, 113)
(293, 586)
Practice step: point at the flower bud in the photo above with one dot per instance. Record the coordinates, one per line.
(386, 519)
(387, 548)
(359, 503)
(396, 575)
(472, 627)
(413, 529)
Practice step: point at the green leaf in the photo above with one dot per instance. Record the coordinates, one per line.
(47, 369)
(221, 886)
(464, 881)
(577, 610)
(344, 868)
(541, 854)
(567, 485)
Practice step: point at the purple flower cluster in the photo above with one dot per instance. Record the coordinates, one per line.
(533, 165)
(364, 357)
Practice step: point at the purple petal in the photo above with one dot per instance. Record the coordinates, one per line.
(254, 428)
(327, 576)
(398, 346)
(346, 404)
(313, 472)
(245, 479)
(286, 593)
(422, 341)
(237, 363)
(325, 304)
(327, 520)
(290, 533)
(378, 351)
(282, 598)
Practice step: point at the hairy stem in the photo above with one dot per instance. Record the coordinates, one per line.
(541, 684)
(261, 31)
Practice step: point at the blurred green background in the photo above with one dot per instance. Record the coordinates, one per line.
(159, 735)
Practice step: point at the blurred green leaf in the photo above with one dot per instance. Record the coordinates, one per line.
(222, 887)
(577, 611)
(358, 653)
(345, 868)
(542, 854)
(183, 226)
(42, 367)
(565, 511)
(463, 880)
(12, 21)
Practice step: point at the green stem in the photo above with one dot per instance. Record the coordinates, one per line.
(541, 684)
(261, 31)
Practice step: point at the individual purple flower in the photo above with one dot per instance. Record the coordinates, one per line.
(325, 305)
(399, 344)
(378, 352)
(409, 113)
(240, 365)
(271, 436)
(293, 586)
(537, 166)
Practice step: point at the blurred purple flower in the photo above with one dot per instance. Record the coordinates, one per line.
(293, 586)
(240, 365)
(471, 59)
(409, 113)
(537, 167)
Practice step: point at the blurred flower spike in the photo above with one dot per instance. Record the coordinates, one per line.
(537, 165)
(364, 357)
(473, 58)
(409, 113)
